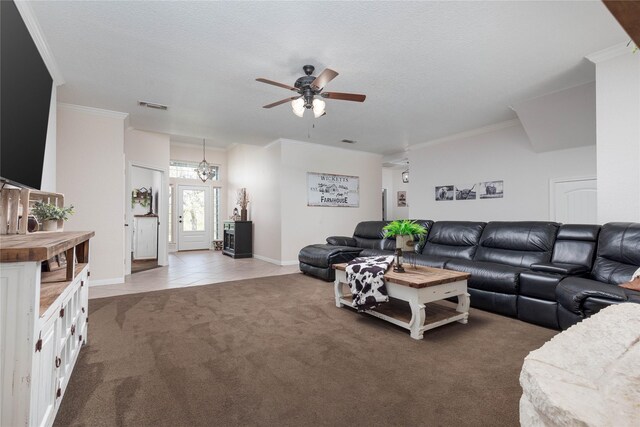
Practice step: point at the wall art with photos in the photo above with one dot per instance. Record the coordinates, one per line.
(402, 199)
(444, 193)
(470, 191)
(325, 189)
(491, 189)
(466, 191)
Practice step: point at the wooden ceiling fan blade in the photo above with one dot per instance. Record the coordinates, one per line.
(344, 96)
(271, 82)
(323, 78)
(282, 101)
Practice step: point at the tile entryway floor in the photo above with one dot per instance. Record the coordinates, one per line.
(192, 268)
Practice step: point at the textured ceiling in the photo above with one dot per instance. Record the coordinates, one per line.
(429, 69)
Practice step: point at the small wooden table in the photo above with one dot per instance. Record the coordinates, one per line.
(417, 286)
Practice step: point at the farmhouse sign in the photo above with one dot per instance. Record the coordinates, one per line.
(325, 189)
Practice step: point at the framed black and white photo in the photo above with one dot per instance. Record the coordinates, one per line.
(491, 189)
(444, 193)
(325, 189)
(466, 191)
(402, 199)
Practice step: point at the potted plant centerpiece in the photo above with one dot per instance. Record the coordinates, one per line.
(405, 232)
(48, 215)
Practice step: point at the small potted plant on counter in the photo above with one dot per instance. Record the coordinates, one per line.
(48, 215)
(405, 231)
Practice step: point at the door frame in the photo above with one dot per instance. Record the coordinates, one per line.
(163, 212)
(553, 182)
(208, 212)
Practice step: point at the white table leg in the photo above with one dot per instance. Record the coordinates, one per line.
(337, 287)
(417, 320)
(463, 306)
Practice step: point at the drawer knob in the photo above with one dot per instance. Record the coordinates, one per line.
(73, 329)
(58, 362)
(59, 392)
(62, 312)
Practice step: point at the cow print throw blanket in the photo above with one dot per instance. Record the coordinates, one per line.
(365, 276)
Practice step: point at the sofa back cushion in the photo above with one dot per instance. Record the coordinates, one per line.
(576, 244)
(370, 235)
(618, 254)
(422, 240)
(453, 239)
(519, 244)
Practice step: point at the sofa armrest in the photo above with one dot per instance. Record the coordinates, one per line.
(559, 268)
(342, 241)
(572, 292)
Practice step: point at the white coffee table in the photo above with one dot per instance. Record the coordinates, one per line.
(417, 286)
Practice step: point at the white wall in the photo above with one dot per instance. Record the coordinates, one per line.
(258, 170)
(505, 154)
(276, 180)
(618, 136)
(90, 173)
(48, 182)
(303, 225)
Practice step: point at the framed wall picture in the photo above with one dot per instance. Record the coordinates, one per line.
(491, 190)
(466, 191)
(444, 193)
(325, 189)
(402, 199)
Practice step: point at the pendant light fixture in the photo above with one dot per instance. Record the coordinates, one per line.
(205, 171)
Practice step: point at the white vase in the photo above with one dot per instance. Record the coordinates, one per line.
(402, 242)
(50, 225)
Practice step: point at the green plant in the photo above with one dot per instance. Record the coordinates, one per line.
(47, 211)
(404, 227)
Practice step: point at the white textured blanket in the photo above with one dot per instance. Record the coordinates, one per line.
(365, 276)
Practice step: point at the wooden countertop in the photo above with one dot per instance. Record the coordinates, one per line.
(39, 246)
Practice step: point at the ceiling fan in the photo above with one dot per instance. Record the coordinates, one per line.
(310, 89)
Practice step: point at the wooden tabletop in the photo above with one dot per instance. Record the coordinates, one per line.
(419, 277)
(39, 246)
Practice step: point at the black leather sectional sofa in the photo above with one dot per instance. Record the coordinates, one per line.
(541, 272)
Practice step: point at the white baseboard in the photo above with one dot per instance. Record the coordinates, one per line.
(274, 261)
(102, 282)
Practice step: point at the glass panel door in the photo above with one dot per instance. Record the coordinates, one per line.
(193, 217)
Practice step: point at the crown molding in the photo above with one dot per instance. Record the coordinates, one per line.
(94, 111)
(469, 133)
(33, 26)
(610, 52)
(194, 146)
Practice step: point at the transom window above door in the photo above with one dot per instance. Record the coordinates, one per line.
(181, 169)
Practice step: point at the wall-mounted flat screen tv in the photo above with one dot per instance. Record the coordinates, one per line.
(25, 91)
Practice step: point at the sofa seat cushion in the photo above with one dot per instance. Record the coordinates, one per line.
(539, 285)
(322, 255)
(434, 261)
(375, 252)
(489, 276)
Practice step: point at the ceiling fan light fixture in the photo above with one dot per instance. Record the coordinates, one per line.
(298, 107)
(318, 107)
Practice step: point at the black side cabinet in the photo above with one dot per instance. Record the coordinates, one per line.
(238, 239)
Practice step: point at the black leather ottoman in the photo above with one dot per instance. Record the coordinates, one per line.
(317, 260)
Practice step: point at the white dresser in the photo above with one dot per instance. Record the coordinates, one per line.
(43, 323)
(145, 237)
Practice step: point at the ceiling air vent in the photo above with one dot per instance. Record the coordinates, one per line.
(348, 141)
(152, 105)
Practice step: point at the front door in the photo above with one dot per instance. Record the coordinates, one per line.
(194, 221)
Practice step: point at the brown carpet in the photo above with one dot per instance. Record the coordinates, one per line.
(276, 351)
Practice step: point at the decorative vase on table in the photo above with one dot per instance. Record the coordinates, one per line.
(243, 214)
(50, 225)
(404, 242)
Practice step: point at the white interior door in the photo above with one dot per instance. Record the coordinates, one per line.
(574, 201)
(194, 217)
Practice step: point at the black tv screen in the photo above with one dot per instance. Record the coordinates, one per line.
(25, 91)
